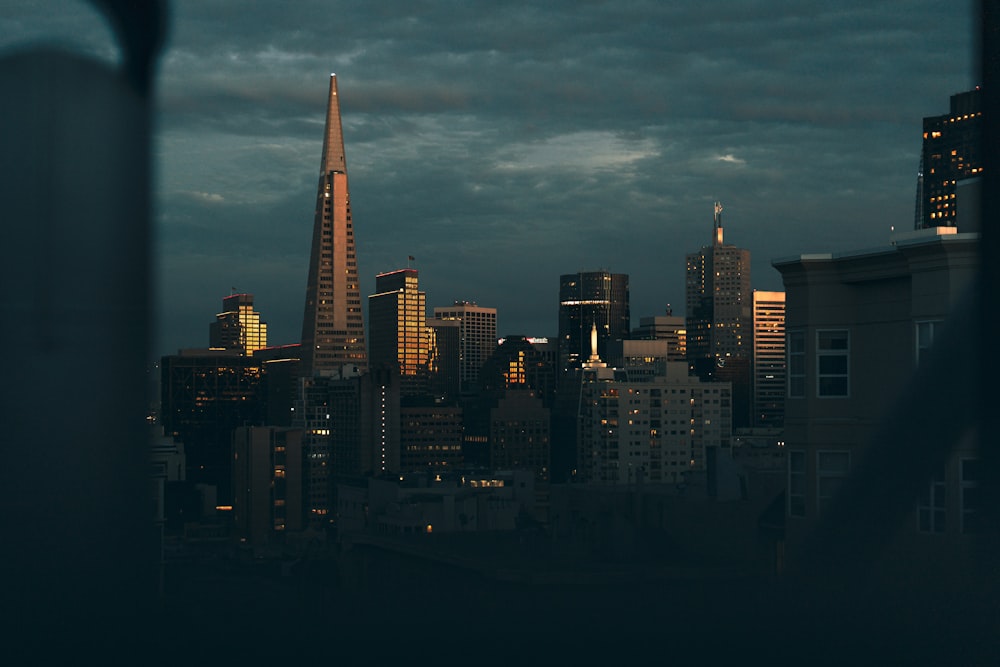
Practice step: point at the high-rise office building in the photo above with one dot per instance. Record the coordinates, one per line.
(670, 328)
(477, 337)
(768, 358)
(719, 300)
(333, 333)
(585, 299)
(238, 326)
(951, 153)
(720, 317)
(398, 330)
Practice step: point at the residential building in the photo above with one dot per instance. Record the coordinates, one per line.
(858, 326)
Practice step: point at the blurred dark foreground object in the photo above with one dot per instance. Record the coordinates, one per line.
(77, 550)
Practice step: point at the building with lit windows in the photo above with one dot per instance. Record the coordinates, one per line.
(768, 393)
(586, 299)
(950, 154)
(430, 437)
(669, 327)
(858, 326)
(204, 395)
(520, 433)
(267, 483)
(654, 430)
(477, 338)
(720, 317)
(444, 356)
(398, 332)
(238, 326)
(333, 334)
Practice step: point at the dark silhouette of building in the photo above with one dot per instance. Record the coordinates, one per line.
(951, 153)
(205, 395)
(333, 332)
(585, 299)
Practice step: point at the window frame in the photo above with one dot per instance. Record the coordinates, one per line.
(796, 381)
(824, 497)
(833, 353)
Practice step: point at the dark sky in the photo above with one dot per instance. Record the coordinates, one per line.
(504, 144)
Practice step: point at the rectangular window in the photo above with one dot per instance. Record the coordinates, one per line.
(832, 363)
(796, 364)
(796, 483)
(932, 507)
(969, 472)
(831, 470)
(925, 332)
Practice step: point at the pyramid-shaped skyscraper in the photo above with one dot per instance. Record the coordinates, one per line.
(333, 335)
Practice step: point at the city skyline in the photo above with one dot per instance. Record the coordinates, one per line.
(528, 142)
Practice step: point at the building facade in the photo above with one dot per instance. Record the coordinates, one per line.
(858, 326)
(333, 334)
(950, 153)
(238, 326)
(671, 328)
(397, 328)
(654, 430)
(768, 393)
(477, 338)
(586, 299)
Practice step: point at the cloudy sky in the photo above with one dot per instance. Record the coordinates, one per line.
(503, 144)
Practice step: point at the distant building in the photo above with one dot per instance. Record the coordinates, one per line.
(586, 299)
(333, 334)
(238, 326)
(520, 433)
(768, 392)
(205, 395)
(654, 430)
(477, 338)
(671, 328)
(444, 358)
(267, 478)
(950, 154)
(720, 317)
(397, 330)
(430, 437)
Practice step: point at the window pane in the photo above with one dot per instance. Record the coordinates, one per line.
(835, 365)
(833, 386)
(832, 340)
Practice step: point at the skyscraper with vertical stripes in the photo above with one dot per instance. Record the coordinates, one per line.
(333, 335)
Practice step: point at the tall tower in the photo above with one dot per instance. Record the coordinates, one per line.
(720, 317)
(586, 299)
(397, 315)
(333, 334)
(951, 153)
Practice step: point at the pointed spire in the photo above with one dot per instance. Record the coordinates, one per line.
(333, 142)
